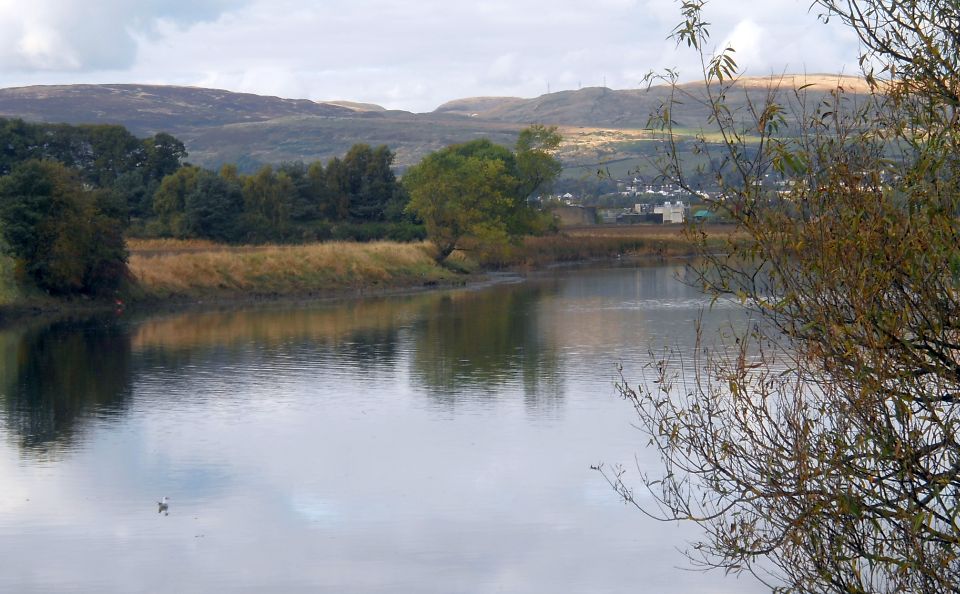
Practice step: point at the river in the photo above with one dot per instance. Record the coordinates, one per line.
(430, 443)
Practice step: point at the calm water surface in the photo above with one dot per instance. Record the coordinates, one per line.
(432, 443)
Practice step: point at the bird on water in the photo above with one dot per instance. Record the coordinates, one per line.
(163, 506)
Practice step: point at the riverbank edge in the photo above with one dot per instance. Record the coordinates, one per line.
(132, 299)
(52, 307)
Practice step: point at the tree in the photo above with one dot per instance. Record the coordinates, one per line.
(66, 238)
(164, 154)
(170, 199)
(820, 450)
(304, 206)
(212, 208)
(268, 199)
(338, 189)
(536, 164)
(478, 189)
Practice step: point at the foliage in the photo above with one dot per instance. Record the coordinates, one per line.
(459, 191)
(170, 199)
(372, 186)
(355, 197)
(536, 165)
(163, 155)
(820, 451)
(480, 189)
(212, 208)
(101, 153)
(66, 238)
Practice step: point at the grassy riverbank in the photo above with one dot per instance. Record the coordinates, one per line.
(167, 269)
(175, 270)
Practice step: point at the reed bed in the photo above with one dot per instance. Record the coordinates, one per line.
(203, 270)
(199, 269)
(598, 242)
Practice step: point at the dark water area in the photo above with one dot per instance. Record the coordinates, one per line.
(439, 442)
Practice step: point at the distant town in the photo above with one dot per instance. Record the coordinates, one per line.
(634, 202)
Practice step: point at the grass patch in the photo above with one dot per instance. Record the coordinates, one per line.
(198, 269)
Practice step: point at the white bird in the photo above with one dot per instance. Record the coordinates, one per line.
(163, 506)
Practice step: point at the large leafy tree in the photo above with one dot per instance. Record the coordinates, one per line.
(821, 450)
(462, 190)
(67, 238)
(480, 189)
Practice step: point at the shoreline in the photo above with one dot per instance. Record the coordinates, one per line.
(22, 313)
(400, 269)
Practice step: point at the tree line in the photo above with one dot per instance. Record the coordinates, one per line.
(69, 195)
(357, 197)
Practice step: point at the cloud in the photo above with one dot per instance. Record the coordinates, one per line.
(747, 40)
(66, 35)
(406, 55)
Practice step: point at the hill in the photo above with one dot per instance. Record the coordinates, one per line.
(600, 125)
(147, 109)
(607, 108)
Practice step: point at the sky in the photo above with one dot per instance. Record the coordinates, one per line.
(402, 55)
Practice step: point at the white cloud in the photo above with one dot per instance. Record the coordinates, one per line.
(403, 55)
(66, 35)
(747, 40)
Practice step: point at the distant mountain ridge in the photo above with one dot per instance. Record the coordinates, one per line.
(153, 108)
(221, 126)
(629, 108)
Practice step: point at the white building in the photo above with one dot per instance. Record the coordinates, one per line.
(672, 213)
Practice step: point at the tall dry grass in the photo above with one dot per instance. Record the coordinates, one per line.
(606, 242)
(192, 269)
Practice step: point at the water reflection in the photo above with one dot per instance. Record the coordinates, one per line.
(458, 345)
(474, 343)
(453, 347)
(57, 376)
(429, 443)
(511, 340)
(363, 332)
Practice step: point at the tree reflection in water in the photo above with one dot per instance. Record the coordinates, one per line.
(58, 375)
(474, 343)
